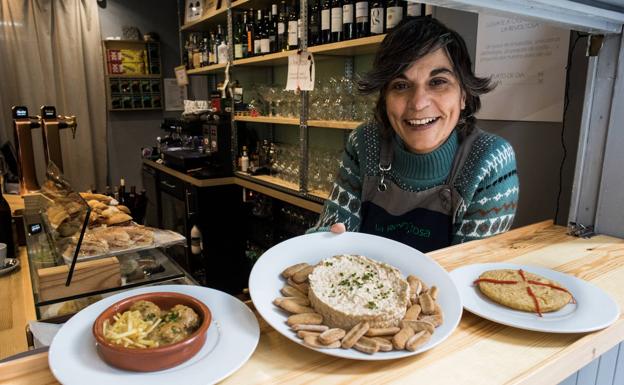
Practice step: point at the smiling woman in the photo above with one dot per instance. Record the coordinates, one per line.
(422, 173)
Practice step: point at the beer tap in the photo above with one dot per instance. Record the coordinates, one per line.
(22, 126)
(52, 124)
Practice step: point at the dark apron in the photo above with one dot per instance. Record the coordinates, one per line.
(424, 219)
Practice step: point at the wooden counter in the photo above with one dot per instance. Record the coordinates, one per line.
(478, 352)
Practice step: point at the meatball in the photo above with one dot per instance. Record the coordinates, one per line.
(149, 311)
(169, 333)
(185, 315)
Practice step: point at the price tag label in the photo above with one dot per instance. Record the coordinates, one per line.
(301, 71)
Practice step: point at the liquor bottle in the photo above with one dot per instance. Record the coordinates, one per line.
(413, 9)
(336, 21)
(196, 53)
(6, 226)
(314, 24)
(325, 22)
(238, 39)
(377, 18)
(188, 53)
(249, 31)
(222, 48)
(348, 22)
(122, 192)
(265, 40)
(204, 52)
(292, 26)
(259, 31)
(282, 32)
(272, 28)
(244, 160)
(361, 18)
(394, 14)
(217, 42)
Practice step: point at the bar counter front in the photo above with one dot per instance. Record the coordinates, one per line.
(477, 352)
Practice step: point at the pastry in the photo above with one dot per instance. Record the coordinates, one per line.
(116, 238)
(524, 291)
(118, 218)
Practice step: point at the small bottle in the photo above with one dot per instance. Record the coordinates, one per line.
(244, 160)
(196, 240)
(132, 197)
(122, 191)
(108, 191)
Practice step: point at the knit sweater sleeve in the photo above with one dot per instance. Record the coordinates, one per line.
(491, 191)
(344, 202)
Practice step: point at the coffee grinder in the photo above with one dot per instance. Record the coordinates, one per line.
(22, 126)
(52, 124)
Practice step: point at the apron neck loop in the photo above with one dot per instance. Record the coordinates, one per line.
(385, 161)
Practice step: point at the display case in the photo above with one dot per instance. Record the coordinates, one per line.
(69, 266)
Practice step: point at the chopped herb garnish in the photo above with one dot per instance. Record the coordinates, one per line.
(371, 305)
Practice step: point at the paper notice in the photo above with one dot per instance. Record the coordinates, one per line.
(301, 72)
(527, 60)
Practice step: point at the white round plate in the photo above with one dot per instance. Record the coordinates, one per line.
(232, 338)
(265, 280)
(594, 309)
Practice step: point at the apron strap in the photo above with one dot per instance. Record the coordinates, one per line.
(385, 161)
(462, 154)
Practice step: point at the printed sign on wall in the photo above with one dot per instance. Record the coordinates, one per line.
(528, 61)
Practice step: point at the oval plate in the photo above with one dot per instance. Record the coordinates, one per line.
(265, 281)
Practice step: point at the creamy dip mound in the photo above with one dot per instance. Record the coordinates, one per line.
(348, 289)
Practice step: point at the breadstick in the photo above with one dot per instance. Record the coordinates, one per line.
(298, 300)
(291, 270)
(412, 312)
(309, 328)
(418, 325)
(331, 335)
(293, 307)
(289, 291)
(435, 319)
(375, 332)
(427, 303)
(400, 339)
(313, 341)
(305, 318)
(302, 287)
(367, 345)
(384, 344)
(354, 334)
(433, 292)
(417, 340)
(304, 333)
(302, 275)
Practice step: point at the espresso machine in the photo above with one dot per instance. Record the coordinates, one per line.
(52, 125)
(23, 124)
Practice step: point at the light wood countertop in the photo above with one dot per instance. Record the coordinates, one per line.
(478, 352)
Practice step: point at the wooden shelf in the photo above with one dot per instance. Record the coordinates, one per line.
(338, 124)
(140, 76)
(361, 46)
(210, 19)
(207, 69)
(319, 194)
(267, 119)
(135, 109)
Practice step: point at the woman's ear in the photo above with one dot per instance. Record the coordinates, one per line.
(463, 100)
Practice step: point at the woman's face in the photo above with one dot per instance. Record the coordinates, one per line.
(425, 101)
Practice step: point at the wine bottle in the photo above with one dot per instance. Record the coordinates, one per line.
(314, 24)
(361, 19)
(265, 41)
(292, 26)
(325, 22)
(249, 31)
(336, 21)
(377, 18)
(348, 22)
(282, 31)
(259, 32)
(413, 9)
(394, 14)
(238, 39)
(272, 28)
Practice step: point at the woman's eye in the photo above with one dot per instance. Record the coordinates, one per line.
(438, 82)
(399, 86)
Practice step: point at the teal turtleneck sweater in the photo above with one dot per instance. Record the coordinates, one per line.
(488, 182)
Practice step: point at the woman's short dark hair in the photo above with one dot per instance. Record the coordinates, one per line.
(412, 39)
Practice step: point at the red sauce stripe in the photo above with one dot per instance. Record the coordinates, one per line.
(537, 307)
(491, 280)
(522, 275)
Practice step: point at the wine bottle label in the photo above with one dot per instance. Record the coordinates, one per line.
(413, 9)
(292, 32)
(238, 51)
(361, 12)
(249, 42)
(394, 16)
(325, 19)
(280, 28)
(265, 45)
(376, 22)
(336, 19)
(347, 14)
(257, 46)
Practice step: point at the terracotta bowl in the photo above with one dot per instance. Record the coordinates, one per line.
(151, 359)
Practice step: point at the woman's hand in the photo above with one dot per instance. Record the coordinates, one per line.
(338, 228)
